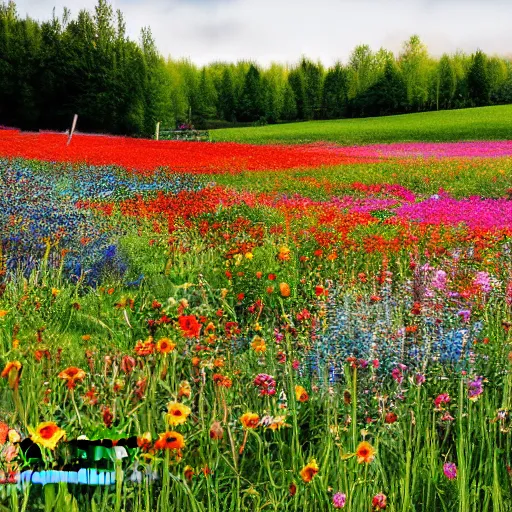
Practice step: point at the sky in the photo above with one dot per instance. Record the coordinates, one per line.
(268, 31)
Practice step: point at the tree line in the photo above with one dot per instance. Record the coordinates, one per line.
(87, 65)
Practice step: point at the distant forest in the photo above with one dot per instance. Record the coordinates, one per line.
(87, 65)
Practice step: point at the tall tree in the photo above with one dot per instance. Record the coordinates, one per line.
(227, 98)
(250, 106)
(446, 83)
(298, 86)
(335, 92)
(478, 80)
(415, 63)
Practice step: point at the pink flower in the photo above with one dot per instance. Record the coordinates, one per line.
(450, 470)
(339, 499)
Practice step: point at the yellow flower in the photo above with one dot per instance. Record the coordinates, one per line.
(177, 413)
(55, 292)
(47, 434)
(301, 394)
(309, 471)
(13, 436)
(249, 255)
(165, 345)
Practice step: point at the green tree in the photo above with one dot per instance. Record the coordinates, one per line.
(250, 106)
(298, 86)
(206, 100)
(335, 92)
(415, 65)
(289, 110)
(227, 98)
(478, 80)
(446, 83)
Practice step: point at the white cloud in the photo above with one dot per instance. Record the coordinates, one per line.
(283, 30)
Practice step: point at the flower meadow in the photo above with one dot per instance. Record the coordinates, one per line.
(331, 334)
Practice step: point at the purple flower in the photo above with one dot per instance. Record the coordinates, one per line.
(450, 470)
(476, 388)
(339, 499)
(465, 314)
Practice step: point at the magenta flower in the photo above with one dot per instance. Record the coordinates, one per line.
(397, 375)
(266, 383)
(450, 470)
(339, 499)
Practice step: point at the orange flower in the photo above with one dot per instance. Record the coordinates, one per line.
(145, 348)
(165, 345)
(365, 452)
(250, 420)
(12, 372)
(284, 254)
(284, 288)
(3, 313)
(177, 413)
(218, 362)
(184, 389)
(301, 394)
(258, 344)
(72, 375)
(222, 380)
(47, 434)
(170, 441)
(4, 430)
(309, 471)
(86, 337)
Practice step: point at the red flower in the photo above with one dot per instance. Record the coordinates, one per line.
(189, 326)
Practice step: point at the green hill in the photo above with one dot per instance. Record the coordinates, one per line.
(447, 125)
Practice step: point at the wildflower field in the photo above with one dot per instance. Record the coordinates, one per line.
(223, 327)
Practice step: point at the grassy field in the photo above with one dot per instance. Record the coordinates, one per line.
(448, 125)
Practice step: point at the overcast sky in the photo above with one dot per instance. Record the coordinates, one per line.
(283, 30)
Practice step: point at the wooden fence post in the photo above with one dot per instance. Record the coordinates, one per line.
(75, 119)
